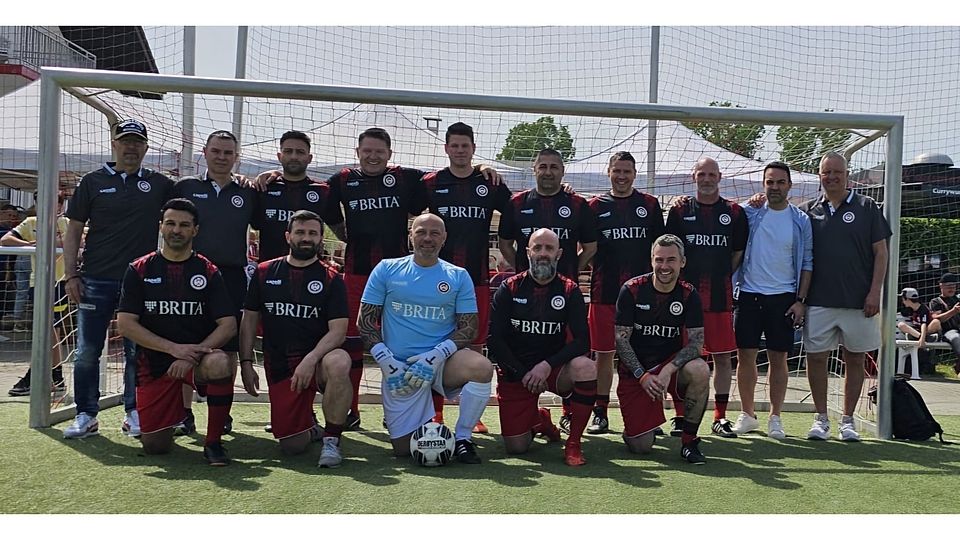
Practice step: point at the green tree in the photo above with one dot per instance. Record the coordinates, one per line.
(742, 139)
(527, 138)
(802, 147)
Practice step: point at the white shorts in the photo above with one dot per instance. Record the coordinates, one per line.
(405, 414)
(828, 327)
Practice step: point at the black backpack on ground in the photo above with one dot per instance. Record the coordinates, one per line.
(911, 418)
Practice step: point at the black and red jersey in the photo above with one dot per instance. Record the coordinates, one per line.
(566, 214)
(659, 320)
(530, 323)
(295, 306)
(627, 227)
(466, 206)
(376, 209)
(710, 234)
(280, 201)
(176, 300)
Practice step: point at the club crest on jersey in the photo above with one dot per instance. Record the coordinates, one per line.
(564, 211)
(144, 186)
(389, 180)
(848, 217)
(676, 308)
(314, 287)
(482, 190)
(725, 219)
(443, 287)
(237, 201)
(557, 302)
(198, 282)
(641, 212)
(313, 196)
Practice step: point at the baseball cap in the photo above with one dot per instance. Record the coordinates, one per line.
(950, 278)
(130, 127)
(910, 293)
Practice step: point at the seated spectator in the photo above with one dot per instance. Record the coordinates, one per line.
(946, 310)
(917, 322)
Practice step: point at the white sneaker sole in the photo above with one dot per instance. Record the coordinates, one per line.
(778, 435)
(83, 435)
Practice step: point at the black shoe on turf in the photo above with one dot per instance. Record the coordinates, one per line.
(564, 423)
(22, 388)
(186, 426)
(466, 452)
(352, 423)
(658, 431)
(228, 425)
(216, 454)
(723, 428)
(676, 428)
(600, 424)
(691, 452)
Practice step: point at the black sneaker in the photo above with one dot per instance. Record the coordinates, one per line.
(676, 428)
(228, 425)
(352, 423)
(564, 423)
(723, 428)
(600, 423)
(186, 426)
(216, 454)
(658, 431)
(22, 388)
(691, 452)
(466, 452)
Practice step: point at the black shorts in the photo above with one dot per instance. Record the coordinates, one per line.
(235, 279)
(764, 314)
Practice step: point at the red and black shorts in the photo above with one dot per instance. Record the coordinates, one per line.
(602, 318)
(160, 401)
(641, 413)
(483, 314)
(291, 413)
(519, 410)
(718, 336)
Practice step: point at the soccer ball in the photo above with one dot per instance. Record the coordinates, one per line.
(431, 445)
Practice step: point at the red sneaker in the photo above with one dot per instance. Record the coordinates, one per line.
(480, 428)
(573, 455)
(546, 427)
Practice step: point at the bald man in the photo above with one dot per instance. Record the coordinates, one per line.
(539, 339)
(421, 340)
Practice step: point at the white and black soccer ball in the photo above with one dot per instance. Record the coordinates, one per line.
(431, 445)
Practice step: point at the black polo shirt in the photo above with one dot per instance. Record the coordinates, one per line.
(122, 213)
(843, 241)
(224, 217)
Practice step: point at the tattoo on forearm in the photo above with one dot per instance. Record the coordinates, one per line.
(692, 349)
(624, 350)
(368, 323)
(467, 326)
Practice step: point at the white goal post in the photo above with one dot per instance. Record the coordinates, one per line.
(56, 80)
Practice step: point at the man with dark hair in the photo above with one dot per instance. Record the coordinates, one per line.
(118, 203)
(628, 221)
(659, 341)
(465, 200)
(773, 283)
(302, 303)
(539, 339)
(175, 306)
(946, 309)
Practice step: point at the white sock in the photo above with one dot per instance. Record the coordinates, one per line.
(473, 399)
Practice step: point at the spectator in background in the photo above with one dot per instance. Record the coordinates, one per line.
(946, 310)
(9, 218)
(917, 322)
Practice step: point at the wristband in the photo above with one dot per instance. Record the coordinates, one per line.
(246, 360)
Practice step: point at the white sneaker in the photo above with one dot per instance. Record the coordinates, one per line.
(775, 428)
(131, 424)
(330, 455)
(821, 428)
(848, 431)
(83, 426)
(745, 424)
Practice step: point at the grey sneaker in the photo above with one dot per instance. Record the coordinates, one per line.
(330, 455)
(848, 431)
(82, 427)
(820, 430)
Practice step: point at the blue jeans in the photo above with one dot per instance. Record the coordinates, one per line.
(22, 271)
(97, 306)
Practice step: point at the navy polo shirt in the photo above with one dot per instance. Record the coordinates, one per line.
(224, 217)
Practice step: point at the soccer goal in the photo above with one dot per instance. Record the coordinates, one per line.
(507, 129)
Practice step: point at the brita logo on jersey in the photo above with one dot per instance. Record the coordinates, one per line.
(469, 212)
(709, 240)
(657, 330)
(416, 311)
(198, 282)
(625, 233)
(296, 311)
(541, 328)
(143, 186)
(173, 307)
(375, 203)
(278, 214)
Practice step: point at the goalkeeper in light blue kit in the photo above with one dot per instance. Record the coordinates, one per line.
(418, 316)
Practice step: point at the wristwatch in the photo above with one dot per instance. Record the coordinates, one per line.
(802, 300)
(639, 372)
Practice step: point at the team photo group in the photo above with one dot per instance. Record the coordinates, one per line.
(672, 295)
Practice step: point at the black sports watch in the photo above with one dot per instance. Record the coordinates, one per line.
(802, 300)
(639, 372)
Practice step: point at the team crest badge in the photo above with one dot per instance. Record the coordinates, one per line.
(725, 219)
(482, 190)
(237, 201)
(313, 196)
(557, 302)
(389, 180)
(144, 186)
(564, 211)
(314, 287)
(443, 287)
(641, 212)
(676, 308)
(198, 282)
(848, 217)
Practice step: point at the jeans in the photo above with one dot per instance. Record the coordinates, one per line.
(97, 306)
(22, 271)
(953, 337)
